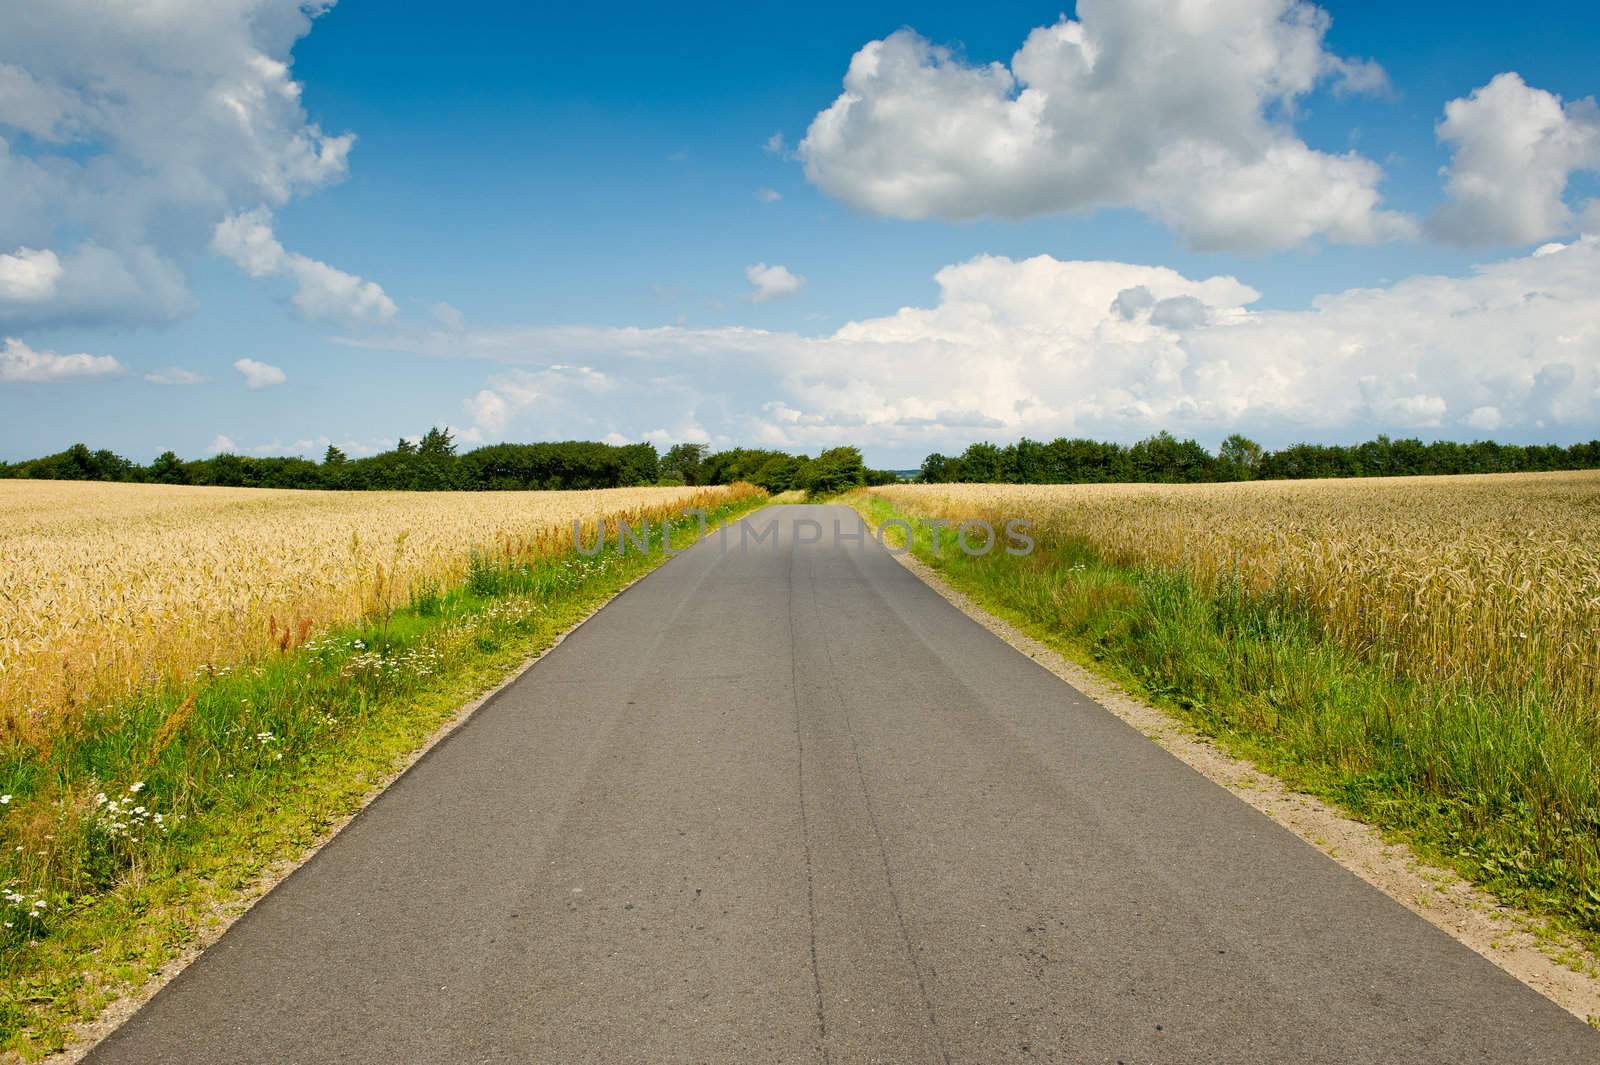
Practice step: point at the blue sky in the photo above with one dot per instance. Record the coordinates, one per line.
(563, 209)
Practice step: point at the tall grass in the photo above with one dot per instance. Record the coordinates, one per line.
(1423, 650)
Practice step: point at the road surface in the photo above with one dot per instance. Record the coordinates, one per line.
(785, 804)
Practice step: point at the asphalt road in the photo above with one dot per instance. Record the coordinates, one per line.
(786, 804)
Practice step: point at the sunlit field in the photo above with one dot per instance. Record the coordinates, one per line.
(110, 587)
(1493, 577)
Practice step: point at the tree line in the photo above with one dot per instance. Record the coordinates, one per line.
(1165, 459)
(832, 471)
(432, 463)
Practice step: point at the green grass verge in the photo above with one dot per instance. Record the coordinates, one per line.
(1492, 787)
(147, 816)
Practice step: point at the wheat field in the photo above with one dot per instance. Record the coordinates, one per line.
(108, 587)
(1492, 578)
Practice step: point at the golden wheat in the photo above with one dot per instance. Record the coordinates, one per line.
(1492, 578)
(110, 586)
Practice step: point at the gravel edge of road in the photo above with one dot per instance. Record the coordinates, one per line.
(1522, 945)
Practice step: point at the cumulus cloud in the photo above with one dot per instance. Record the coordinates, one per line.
(20, 363)
(258, 375)
(190, 114)
(1046, 347)
(1181, 112)
(91, 285)
(489, 411)
(1486, 418)
(28, 276)
(322, 293)
(509, 394)
(222, 444)
(766, 195)
(772, 282)
(1515, 147)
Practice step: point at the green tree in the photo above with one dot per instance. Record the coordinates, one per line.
(777, 473)
(437, 442)
(167, 469)
(1240, 457)
(983, 463)
(834, 471)
(935, 469)
(685, 460)
(640, 464)
(1028, 462)
(435, 466)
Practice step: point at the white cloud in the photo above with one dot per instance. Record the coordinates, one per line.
(91, 285)
(766, 195)
(258, 375)
(772, 282)
(1045, 347)
(191, 114)
(29, 276)
(489, 411)
(1359, 77)
(222, 445)
(191, 106)
(322, 293)
(20, 363)
(1514, 149)
(774, 144)
(515, 391)
(142, 126)
(683, 433)
(174, 375)
(1182, 113)
(1486, 417)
